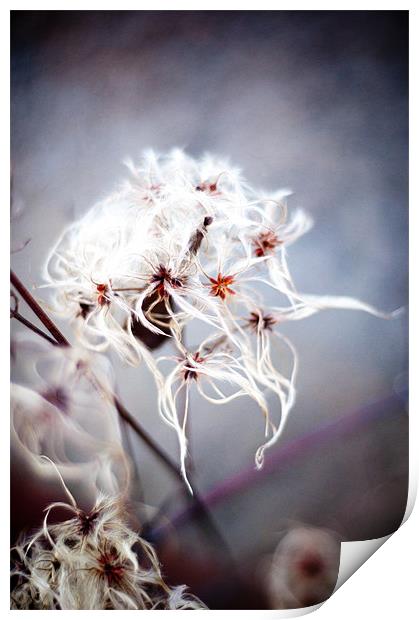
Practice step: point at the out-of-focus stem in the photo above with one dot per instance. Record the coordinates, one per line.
(348, 424)
(198, 506)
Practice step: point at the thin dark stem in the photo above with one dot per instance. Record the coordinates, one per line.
(31, 326)
(154, 447)
(127, 442)
(151, 524)
(198, 505)
(36, 308)
(133, 290)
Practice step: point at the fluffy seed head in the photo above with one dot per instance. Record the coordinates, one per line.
(93, 560)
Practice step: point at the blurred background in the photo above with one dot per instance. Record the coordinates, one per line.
(314, 101)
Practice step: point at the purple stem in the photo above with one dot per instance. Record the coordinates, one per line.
(241, 481)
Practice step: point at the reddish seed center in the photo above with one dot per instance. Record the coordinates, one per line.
(207, 187)
(265, 243)
(102, 289)
(164, 278)
(193, 374)
(110, 568)
(220, 286)
(311, 565)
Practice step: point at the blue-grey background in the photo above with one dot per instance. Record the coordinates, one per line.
(315, 101)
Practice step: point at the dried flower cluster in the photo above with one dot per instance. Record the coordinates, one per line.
(186, 241)
(182, 242)
(92, 561)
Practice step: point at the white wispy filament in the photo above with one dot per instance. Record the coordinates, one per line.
(181, 241)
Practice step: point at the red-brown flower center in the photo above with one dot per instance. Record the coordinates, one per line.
(163, 279)
(190, 373)
(220, 286)
(265, 243)
(110, 568)
(102, 289)
(261, 321)
(210, 188)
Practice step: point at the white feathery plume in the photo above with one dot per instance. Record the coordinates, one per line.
(181, 241)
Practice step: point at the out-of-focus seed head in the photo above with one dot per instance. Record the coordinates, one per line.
(92, 561)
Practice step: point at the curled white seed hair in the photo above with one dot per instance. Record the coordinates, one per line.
(183, 241)
(94, 560)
